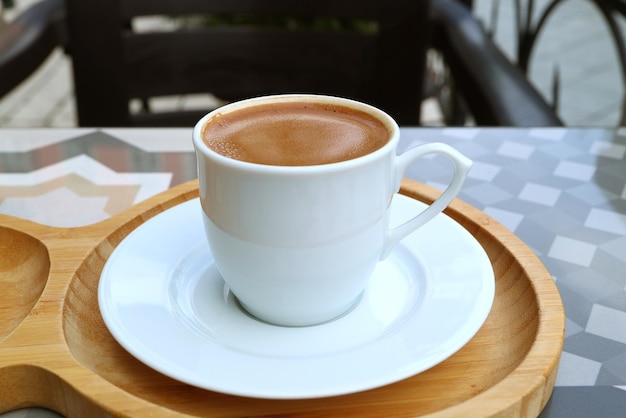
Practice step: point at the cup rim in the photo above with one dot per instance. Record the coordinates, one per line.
(205, 150)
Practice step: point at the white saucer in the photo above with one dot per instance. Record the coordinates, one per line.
(164, 302)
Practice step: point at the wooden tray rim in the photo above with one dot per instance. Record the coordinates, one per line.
(527, 388)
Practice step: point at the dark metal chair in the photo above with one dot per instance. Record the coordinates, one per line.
(265, 55)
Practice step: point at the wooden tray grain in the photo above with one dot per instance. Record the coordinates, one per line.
(56, 352)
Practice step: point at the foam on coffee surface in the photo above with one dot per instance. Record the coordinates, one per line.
(295, 134)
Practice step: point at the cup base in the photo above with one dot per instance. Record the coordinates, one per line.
(290, 322)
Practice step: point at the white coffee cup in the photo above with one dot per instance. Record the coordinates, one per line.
(297, 244)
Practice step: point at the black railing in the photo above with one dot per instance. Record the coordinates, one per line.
(529, 24)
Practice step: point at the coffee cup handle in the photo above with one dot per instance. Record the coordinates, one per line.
(462, 165)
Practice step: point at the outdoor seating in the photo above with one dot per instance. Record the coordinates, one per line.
(233, 50)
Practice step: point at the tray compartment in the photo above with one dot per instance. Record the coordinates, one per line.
(24, 269)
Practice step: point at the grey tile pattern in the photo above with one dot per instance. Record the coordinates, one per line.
(563, 193)
(32, 413)
(586, 402)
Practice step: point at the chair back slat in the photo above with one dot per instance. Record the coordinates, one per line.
(367, 9)
(221, 62)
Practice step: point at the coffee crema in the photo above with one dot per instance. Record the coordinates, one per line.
(295, 133)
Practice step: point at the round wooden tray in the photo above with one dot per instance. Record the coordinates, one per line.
(56, 352)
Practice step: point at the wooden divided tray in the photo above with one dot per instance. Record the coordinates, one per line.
(56, 352)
